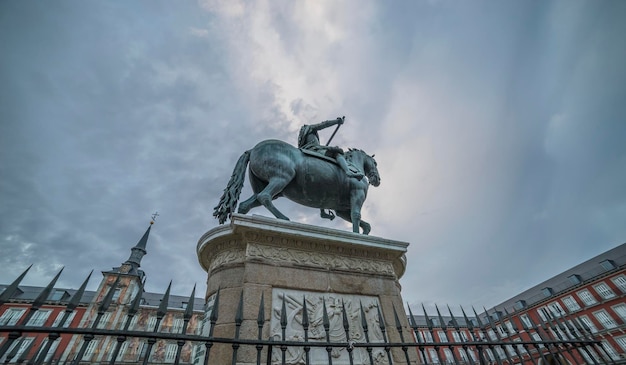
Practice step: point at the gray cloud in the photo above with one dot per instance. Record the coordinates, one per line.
(498, 130)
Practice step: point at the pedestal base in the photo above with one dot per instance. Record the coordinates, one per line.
(287, 263)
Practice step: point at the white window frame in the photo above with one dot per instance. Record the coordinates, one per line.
(448, 355)
(170, 352)
(571, 303)
(604, 290)
(605, 319)
(90, 350)
(11, 316)
(587, 298)
(620, 311)
(587, 321)
(610, 350)
(434, 357)
(51, 351)
(621, 342)
(121, 353)
(442, 336)
(525, 319)
(620, 283)
(541, 311)
(23, 346)
(556, 310)
(177, 325)
(39, 318)
(104, 320)
(67, 323)
(152, 320)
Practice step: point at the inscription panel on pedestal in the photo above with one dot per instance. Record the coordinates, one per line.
(293, 300)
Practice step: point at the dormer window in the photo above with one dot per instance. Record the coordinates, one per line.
(547, 292)
(575, 279)
(608, 265)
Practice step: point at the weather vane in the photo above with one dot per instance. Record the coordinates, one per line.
(156, 214)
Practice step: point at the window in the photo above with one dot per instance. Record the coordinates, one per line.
(151, 323)
(620, 310)
(571, 303)
(90, 351)
(442, 336)
(556, 310)
(23, 346)
(104, 320)
(501, 331)
(587, 324)
(575, 279)
(621, 341)
(492, 335)
(170, 352)
(520, 348)
(184, 305)
(116, 294)
(547, 292)
(604, 291)
(538, 338)
(11, 316)
(433, 356)
(177, 325)
(604, 319)
(69, 319)
(39, 318)
(610, 350)
(51, 351)
(509, 327)
(542, 311)
(620, 282)
(608, 265)
(526, 321)
(448, 355)
(472, 355)
(587, 297)
(121, 353)
(427, 336)
(57, 295)
(141, 350)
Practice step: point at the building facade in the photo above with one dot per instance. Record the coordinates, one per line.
(48, 307)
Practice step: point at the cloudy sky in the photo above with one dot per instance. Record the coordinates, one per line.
(499, 129)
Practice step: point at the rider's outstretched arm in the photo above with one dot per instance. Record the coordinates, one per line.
(327, 123)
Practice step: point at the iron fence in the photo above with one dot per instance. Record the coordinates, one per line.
(427, 339)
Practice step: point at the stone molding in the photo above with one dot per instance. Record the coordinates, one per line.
(262, 238)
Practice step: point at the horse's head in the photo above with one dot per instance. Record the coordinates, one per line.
(371, 170)
(367, 163)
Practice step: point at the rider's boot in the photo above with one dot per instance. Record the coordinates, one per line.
(344, 165)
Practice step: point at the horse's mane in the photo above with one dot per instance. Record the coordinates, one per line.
(352, 151)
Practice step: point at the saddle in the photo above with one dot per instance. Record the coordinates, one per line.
(321, 156)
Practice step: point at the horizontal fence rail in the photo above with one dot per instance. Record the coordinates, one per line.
(427, 339)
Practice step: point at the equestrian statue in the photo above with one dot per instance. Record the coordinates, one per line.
(314, 175)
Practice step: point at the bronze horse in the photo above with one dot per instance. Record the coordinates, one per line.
(279, 169)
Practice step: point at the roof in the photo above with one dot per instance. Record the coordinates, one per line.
(584, 272)
(27, 293)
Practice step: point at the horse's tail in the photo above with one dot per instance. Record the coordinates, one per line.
(228, 201)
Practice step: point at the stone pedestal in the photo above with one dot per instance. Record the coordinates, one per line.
(256, 257)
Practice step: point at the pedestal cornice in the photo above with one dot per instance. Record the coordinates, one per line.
(261, 238)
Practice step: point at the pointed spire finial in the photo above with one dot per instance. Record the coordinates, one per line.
(154, 217)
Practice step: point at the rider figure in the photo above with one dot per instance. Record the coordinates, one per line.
(309, 139)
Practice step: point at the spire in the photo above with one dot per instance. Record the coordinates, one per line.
(131, 266)
(139, 250)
